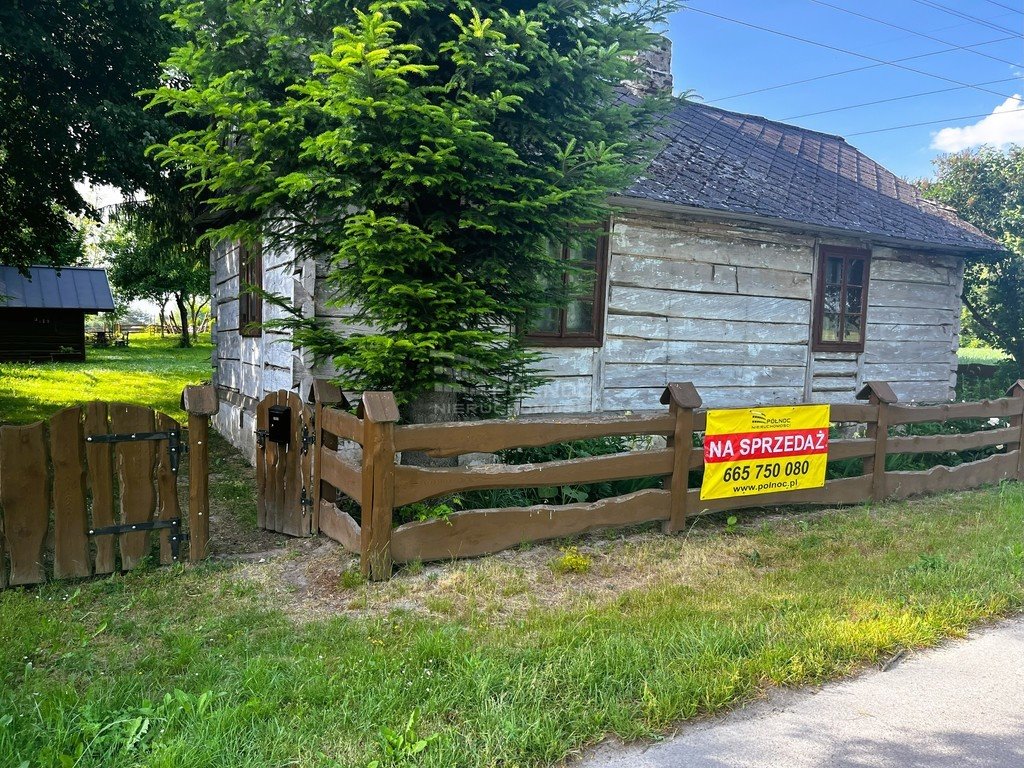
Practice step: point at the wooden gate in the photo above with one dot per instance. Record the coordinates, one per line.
(106, 474)
(285, 434)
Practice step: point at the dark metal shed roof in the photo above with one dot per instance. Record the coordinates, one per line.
(748, 166)
(84, 288)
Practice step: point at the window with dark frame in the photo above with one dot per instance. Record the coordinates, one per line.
(581, 322)
(841, 304)
(250, 273)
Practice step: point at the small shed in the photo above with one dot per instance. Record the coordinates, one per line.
(42, 314)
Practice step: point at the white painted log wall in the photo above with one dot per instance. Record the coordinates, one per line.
(250, 366)
(913, 324)
(729, 308)
(725, 306)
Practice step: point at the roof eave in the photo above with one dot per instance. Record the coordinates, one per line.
(645, 204)
(43, 307)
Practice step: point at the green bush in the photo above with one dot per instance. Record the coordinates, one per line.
(565, 494)
(524, 497)
(971, 387)
(917, 462)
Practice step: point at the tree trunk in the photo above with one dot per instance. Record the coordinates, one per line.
(186, 340)
(195, 307)
(430, 408)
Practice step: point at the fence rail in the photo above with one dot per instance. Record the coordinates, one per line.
(378, 484)
(106, 474)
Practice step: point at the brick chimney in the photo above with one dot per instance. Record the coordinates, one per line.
(655, 65)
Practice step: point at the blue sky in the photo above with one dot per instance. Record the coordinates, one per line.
(720, 58)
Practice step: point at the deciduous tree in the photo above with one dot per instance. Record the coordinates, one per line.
(70, 71)
(986, 187)
(155, 254)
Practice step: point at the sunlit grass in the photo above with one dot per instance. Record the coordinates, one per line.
(685, 625)
(968, 355)
(151, 371)
(508, 660)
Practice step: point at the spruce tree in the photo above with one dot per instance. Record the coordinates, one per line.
(428, 150)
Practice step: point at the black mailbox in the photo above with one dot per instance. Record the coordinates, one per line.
(279, 424)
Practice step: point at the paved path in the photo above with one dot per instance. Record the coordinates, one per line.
(959, 706)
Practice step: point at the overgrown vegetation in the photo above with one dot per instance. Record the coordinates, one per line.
(567, 494)
(503, 662)
(70, 76)
(986, 384)
(524, 497)
(917, 462)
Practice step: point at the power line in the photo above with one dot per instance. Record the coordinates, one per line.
(894, 98)
(914, 32)
(934, 122)
(842, 50)
(847, 71)
(1007, 7)
(960, 14)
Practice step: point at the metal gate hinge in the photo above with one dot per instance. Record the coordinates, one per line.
(174, 524)
(307, 439)
(172, 436)
(305, 500)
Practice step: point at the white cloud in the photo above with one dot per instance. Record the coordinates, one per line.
(1004, 126)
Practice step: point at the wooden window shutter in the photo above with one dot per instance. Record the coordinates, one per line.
(250, 273)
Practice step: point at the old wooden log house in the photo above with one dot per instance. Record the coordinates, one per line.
(764, 262)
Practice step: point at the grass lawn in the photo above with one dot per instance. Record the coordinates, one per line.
(152, 371)
(287, 658)
(508, 661)
(983, 355)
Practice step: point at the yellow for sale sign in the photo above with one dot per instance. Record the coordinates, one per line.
(765, 450)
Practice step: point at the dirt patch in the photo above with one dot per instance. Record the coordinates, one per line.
(233, 490)
(311, 579)
(315, 578)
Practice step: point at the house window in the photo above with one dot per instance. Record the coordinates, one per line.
(250, 273)
(840, 311)
(581, 322)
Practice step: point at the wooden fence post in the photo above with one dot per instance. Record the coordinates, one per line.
(322, 394)
(1017, 390)
(200, 403)
(379, 412)
(878, 393)
(682, 400)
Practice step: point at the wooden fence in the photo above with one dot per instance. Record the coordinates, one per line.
(379, 484)
(105, 475)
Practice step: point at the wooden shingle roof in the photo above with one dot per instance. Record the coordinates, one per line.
(747, 165)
